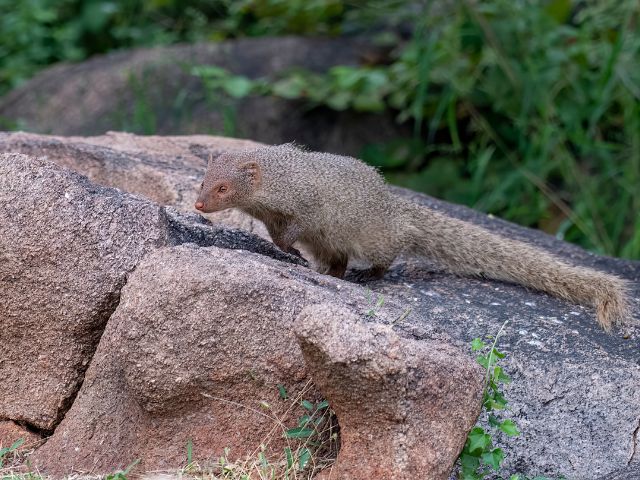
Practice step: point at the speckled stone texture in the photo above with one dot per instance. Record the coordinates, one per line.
(203, 336)
(631, 472)
(404, 407)
(575, 393)
(66, 248)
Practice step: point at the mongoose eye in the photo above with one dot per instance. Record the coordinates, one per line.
(222, 189)
(201, 185)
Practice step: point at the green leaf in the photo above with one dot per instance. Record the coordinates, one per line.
(303, 458)
(209, 71)
(469, 465)
(299, 432)
(289, 456)
(189, 452)
(497, 353)
(16, 444)
(483, 361)
(368, 103)
(495, 375)
(478, 440)
(292, 87)
(322, 405)
(509, 427)
(346, 77)
(237, 87)
(477, 344)
(503, 377)
(283, 392)
(499, 400)
(304, 420)
(307, 404)
(559, 10)
(493, 458)
(339, 101)
(494, 421)
(263, 460)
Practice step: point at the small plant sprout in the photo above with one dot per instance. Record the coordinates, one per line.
(4, 452)
(282, 392)
(310, 445)
(122, 474)
(479, 457)
(310, 428)
(374, 306)
(189, 452)
(403, 316)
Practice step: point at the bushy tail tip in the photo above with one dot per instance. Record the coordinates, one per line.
(612, 302)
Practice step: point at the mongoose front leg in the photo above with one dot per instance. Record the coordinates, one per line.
(284, 235)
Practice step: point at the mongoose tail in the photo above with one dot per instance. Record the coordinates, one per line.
(468, 249)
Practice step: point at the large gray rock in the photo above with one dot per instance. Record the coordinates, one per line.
(575, 390)
(151, 90)
(66, 248)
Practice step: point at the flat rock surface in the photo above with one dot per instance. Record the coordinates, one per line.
(167, 170)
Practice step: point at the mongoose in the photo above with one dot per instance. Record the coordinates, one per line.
(339, 208)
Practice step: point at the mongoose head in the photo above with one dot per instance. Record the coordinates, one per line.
(230, 181)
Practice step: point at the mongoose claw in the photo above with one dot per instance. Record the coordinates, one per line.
(295, 251)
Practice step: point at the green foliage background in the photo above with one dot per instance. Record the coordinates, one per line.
(527, 109)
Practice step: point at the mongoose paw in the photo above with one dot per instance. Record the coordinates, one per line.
(366, 275)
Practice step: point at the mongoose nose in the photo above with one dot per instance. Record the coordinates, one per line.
(199, 205)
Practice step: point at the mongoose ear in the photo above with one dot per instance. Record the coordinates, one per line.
(294, 146)
(214, 155)
(252, 169)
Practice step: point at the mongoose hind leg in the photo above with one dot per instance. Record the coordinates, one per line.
(380, 263)
(329, 261)
(338, 266)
